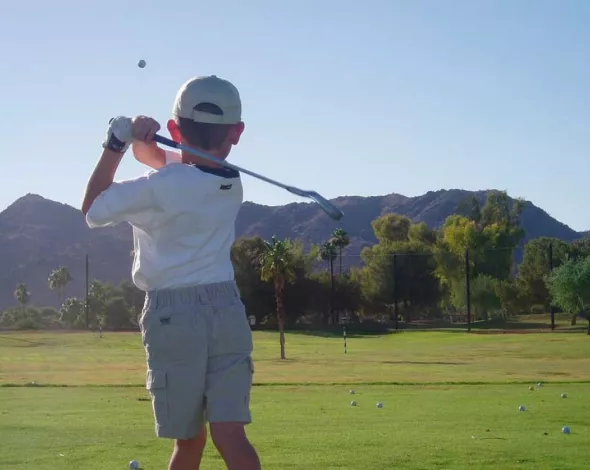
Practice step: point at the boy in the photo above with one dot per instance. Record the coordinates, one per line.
(194, 327)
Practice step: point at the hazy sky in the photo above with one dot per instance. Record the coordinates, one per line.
(344, 97)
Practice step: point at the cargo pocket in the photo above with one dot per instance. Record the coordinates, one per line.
(156, 386)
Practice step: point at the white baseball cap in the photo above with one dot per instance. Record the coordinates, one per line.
(213, 90)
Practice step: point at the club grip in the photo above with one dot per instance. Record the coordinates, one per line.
(165, 141)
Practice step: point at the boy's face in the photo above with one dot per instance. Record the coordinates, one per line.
(233, 135)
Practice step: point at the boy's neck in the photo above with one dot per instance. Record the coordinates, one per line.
(191, 159)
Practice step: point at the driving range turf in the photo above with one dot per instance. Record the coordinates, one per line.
(450, 401)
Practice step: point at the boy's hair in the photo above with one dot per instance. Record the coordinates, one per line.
(204, 135)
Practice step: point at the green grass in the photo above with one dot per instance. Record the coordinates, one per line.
(409, 357)
(457, 409)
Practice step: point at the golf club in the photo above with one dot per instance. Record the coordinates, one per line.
(326, 205)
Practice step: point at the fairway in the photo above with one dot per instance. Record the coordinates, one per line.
(450, 401)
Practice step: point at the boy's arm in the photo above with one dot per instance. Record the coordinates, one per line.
(106, 202)
(153, 156)
(116, 143)
(122, 201)
(102, 177)
(149, 154)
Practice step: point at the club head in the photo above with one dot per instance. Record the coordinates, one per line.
(326, 205)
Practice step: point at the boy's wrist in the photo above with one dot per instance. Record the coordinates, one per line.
(119, 136)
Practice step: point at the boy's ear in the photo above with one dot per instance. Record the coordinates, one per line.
(174, 130)
(235, 133)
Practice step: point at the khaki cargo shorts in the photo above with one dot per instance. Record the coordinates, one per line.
(198, 345)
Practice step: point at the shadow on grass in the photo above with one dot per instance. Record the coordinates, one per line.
(338, 333)
(24, 343)
(425, 363)
(496, 326)
(491, 326)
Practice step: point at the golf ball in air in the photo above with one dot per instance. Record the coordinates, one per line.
(141, 64)
(134, 465)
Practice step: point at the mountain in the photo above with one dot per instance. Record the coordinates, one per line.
(37, 235)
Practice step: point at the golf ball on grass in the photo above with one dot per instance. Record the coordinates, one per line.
(141, 64)
(531, 388)
(352, 392)
(134, 465)
(564, 395)
(353, 403)
(521, 408)
(539, 385)
(565, 430)
(379, 405)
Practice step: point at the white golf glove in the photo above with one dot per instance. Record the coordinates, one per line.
(118, 138)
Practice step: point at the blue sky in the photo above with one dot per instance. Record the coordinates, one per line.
(344, 97)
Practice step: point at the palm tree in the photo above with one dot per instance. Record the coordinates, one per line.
(277, 264)
(22, 295)
(340, 240)
(328, 253)
(58, 280)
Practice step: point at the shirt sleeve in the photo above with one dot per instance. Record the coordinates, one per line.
(121, 200)
(173, 157)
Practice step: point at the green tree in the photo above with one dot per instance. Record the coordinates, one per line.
(490, 238)
(470, 208)
(340, 240)
(22, 295)
(72, 312)
(569, 285)
(99, 296)
(257, 295)
(400, 267)
(117, 314)
(278, 266)
(58, 280)
(536, 266)
(134, 299)
(328, 253)
(512, 300)
(484, 298)
(50, 317)
(580, 248)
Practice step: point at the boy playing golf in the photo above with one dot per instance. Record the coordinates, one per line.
(194, 327)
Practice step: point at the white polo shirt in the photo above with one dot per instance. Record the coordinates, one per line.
(183, 220)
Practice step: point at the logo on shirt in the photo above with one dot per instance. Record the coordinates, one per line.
(225, 187)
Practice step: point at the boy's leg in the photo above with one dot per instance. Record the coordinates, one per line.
(229, 380)
(187, 453)
(234, 447)
(175, 337)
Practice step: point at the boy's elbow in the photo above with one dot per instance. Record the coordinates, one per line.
(93, 222)
(96, 217)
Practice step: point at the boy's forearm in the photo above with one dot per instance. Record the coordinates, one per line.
(149, 154)
(102, 177)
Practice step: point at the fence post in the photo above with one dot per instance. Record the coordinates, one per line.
(332, 315)
(395, 292)
(86, 306)
(552, 308)
(467, 290)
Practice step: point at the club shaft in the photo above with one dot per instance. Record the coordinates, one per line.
(328, 207)
(171, 143)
